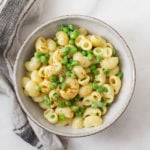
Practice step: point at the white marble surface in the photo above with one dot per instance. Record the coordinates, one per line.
(132, 131)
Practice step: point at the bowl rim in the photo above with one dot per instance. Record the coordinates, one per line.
(66, 17)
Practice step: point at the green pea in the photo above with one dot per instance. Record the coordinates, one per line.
(106, 71)
(63, 86)
(60, 27)
(38, 88)
(61, 79)
(69, 33)
(98, 58)
(66, 29)
(82, 109)
(55, 96)
(74, 63)
(68, 73)
(77, 98)
(91, 78)
(113, 52)
(37, 54)
(75, 108)
(120, 74)
(53, 79)
(93, 67)
(55, 39)
(94, 86)
(72, 42)
(78, 114)
(70, 60)
(94, 105)
(69, 66)
(84, 53)
(74, 34)
(52, 116)
(58, 47)
(95, 72)
(43, 60)
(90, 52)
(66, 50)
(64, 53)
(102, 104)
(71, 27)
(64, 61)
(61, 104)
(66, 57)
(73, 76)
(99, 89)
(68, 103)
(47, 101)
(105, 89)
(90, 56)
(53, 85)
(47, 55)
(61, 117)
(73, 50)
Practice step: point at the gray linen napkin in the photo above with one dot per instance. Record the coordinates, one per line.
(13, 14)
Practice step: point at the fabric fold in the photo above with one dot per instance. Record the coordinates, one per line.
(13, 15)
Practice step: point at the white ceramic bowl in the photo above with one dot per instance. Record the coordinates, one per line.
(94, 26)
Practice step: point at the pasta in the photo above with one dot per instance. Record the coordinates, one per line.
(97, 41)
(30, 87)
(110, 63)
(92, 121)
(35, 76)
(33, 64)
(62, 38)
(83, 31)
(74, 77)
(83, 61)
(41, 45)
(85, 90)
(51, 116)
(77, 123)
(115, 82)
(91, 111)
(51, 45)
(25, 81)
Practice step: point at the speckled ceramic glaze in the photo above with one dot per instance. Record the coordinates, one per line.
(94, 26)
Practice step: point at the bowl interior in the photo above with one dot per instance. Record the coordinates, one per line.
(94, 26)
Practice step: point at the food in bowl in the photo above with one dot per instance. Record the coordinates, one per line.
(73, 76)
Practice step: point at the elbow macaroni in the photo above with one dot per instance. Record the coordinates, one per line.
(74, 77)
